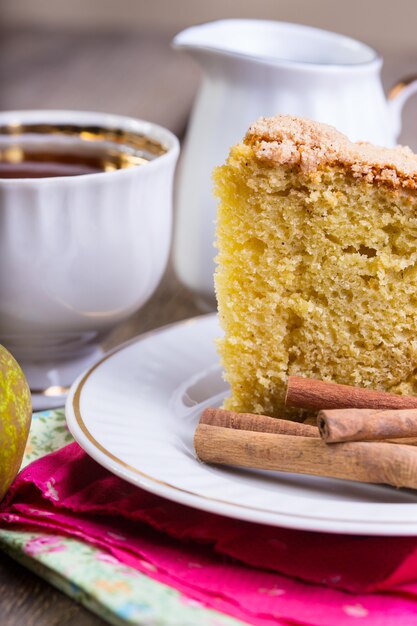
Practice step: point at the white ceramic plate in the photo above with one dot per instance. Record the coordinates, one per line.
(135, 413)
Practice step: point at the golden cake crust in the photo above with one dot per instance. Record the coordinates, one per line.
(287, 139)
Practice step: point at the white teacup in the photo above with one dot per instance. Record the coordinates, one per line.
(85, 214)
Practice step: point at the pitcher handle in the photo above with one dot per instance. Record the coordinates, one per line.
(397, 97)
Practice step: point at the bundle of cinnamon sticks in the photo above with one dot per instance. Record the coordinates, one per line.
(361, 434)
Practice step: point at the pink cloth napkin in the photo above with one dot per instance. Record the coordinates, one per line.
(259, 574)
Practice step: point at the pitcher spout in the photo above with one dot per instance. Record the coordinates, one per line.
(201, 41)
(223, 43)
(202, 36)
(275, 44)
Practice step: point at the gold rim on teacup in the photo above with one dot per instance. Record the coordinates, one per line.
(107, 149)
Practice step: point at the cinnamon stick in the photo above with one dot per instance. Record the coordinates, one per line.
(257, 423)
(367, 424)
(360, 461)
(309, 393)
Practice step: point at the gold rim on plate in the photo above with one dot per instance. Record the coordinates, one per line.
(81, 424)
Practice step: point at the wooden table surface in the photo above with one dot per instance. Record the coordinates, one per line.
(133, 74)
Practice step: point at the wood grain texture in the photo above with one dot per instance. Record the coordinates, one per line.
(26, 599)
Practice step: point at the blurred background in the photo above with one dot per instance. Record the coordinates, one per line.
(115, 56)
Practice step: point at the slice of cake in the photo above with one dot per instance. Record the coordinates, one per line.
(317, 263)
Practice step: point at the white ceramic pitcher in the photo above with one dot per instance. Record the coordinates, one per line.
(256, 68)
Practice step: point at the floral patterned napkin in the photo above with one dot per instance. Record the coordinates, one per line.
(263, 575)
(118, 593)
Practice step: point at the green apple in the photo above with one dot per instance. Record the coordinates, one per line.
(15, 416)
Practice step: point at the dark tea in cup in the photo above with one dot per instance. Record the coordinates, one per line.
(45, 151)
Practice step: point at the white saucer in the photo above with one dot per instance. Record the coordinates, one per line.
(50, 382)
(135, 413)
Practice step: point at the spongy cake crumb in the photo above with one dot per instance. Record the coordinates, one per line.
(317, 263)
